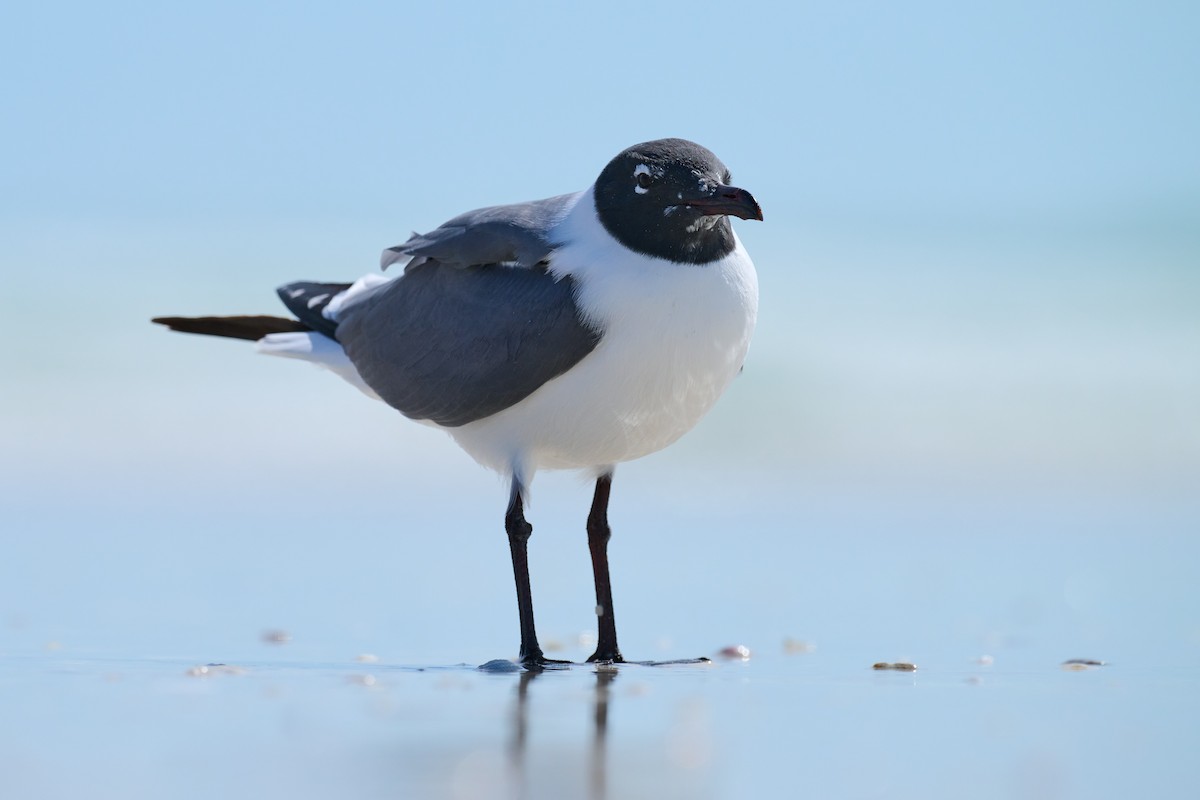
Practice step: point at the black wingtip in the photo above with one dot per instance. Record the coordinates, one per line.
(308, 299)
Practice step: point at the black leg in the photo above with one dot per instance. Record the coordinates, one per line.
(519, 532)
(598, 536)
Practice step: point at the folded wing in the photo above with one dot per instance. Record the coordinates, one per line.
(454, 344)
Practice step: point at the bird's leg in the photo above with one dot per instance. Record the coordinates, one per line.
(598, 536)
(519, 532)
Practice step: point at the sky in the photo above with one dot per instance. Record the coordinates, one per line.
(980, 262)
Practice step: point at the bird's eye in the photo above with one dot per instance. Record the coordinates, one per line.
(644, 180)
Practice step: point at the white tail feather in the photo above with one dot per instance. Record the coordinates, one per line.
(318, 349)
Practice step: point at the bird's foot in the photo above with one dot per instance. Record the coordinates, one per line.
(606, 657)
(538, 662)
(613, 656)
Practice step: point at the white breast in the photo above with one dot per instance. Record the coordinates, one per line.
(675, 335)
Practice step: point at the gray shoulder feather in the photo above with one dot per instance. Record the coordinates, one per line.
(517, 234)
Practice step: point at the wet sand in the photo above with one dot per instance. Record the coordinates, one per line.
(777, 724)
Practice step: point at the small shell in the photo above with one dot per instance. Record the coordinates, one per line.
(735, 652)
(212, 670)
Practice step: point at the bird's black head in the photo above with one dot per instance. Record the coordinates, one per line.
(671, 198)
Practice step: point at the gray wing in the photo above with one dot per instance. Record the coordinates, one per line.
(513, 234)
(457, 344)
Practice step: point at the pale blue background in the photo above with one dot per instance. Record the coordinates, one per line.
(970, 422)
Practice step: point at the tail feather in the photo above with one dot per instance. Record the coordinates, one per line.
(252, 328)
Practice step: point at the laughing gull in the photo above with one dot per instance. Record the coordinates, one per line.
(574, 332)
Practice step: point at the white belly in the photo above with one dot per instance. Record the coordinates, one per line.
(675, 336)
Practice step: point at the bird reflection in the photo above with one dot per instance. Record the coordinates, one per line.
(598, 752)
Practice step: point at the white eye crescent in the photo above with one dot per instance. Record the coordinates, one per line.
(641, 174)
